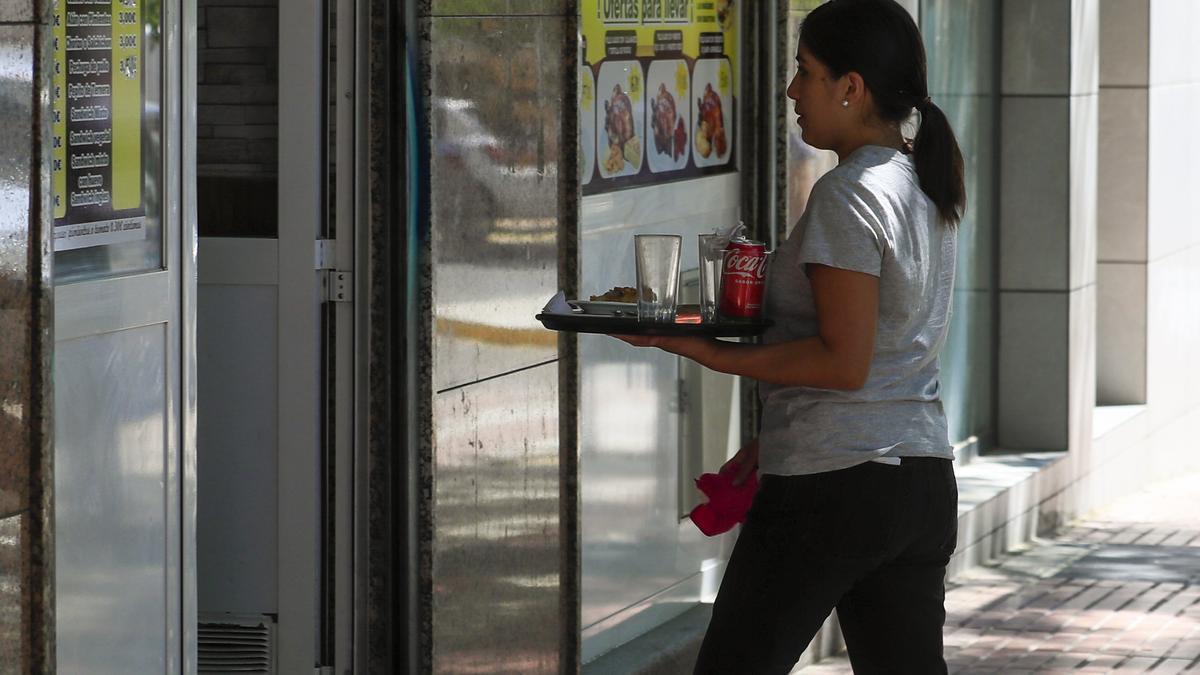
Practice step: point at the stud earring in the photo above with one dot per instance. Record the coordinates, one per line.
(845, 103)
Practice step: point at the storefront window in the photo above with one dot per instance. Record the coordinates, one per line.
(805, 164)
(107, 139)
(959, 41)
(660, 103)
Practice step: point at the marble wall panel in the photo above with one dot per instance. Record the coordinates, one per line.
(1122, 183)
(1033, 378)
(16, 142)
(1121, 334)
(1035, 58)
(16, 204)
(26, 552)
(1124, 43)
(17, 11)
(1034, 193)
(496, 110)
(496, 530)
(13, 586)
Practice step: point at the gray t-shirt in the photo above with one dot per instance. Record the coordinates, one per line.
(869, 215)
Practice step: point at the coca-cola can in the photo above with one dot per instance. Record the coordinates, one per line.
(743, 280)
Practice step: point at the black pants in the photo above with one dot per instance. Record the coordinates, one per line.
(872, 540)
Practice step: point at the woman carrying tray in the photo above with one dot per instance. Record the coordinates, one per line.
(857, 504)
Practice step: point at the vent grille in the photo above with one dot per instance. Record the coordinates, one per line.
(235, 647)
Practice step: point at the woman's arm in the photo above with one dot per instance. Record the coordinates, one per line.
(838, 357)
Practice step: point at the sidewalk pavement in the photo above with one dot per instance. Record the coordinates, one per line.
(1118, 592)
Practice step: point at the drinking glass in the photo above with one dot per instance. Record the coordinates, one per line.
(657, 259)
(712, 253)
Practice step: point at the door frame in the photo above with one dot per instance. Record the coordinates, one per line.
(302, 56)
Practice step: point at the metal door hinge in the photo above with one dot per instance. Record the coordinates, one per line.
(325, 255)
(337, 285)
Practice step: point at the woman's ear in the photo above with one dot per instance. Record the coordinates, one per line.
(854, 89)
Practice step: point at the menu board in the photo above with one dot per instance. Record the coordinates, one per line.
(97, 122)
(658, 91)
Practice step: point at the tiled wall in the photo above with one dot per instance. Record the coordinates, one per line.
(1149, 243)
(26, 553)
(501, 75)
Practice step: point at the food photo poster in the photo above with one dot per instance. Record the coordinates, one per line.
(657, 91)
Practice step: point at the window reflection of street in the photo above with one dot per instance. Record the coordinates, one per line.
(505, 189)
(496, 534)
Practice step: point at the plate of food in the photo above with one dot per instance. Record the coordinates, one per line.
(669, 115)
(622, 108)
(611, 313)
(711, 106)
(602, 308)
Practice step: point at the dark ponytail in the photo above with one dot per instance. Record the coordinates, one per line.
(939, 163)
(879, 40)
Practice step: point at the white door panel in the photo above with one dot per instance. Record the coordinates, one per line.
(116, 508)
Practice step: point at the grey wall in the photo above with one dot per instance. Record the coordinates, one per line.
(501, 79)
(1048, 133)
(26, 479)
(1100, 243)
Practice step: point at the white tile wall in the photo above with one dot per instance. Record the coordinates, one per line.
(1173, 175)
(1122, 174)
(1174, 27)
(1173, 335)
(1034, 182)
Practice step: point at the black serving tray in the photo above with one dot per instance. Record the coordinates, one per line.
(623, 325)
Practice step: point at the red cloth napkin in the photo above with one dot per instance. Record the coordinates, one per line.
(727, 505)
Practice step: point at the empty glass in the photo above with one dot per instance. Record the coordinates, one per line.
(657, 259)
(712, 253)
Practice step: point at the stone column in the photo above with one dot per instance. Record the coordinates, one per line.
(26, 479)
(1048, 128)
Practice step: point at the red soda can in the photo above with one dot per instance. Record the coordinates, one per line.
(743, 280)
